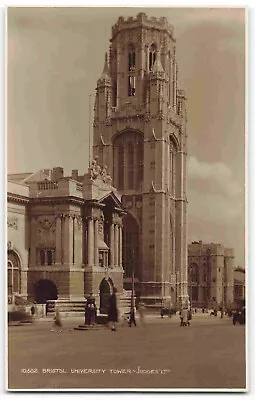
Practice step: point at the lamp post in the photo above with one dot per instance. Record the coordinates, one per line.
(133, 282)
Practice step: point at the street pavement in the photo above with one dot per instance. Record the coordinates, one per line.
(210, 354)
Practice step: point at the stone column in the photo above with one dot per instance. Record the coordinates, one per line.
(68, 239)
(58, 240)
(120, 246)
(112, 245)
(65, 237)
(62, 220)
(45, 257)
(116, 244)
(74, 221)
(90, 242)
(96, 256)
(33, 259)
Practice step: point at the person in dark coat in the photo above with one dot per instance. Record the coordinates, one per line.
(112, 310)
(132, 317)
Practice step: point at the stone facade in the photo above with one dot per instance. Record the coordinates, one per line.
(64, 236)
(239, 286)
(211, 275)
(140, 133)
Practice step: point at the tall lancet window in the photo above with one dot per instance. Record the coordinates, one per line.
(121, 167)
(131, 85)
(130, 166)
(131, 58)
(140, 164)
(152, 56)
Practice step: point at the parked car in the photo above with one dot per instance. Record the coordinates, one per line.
(239, 316)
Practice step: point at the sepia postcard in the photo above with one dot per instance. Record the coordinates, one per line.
(126, 199)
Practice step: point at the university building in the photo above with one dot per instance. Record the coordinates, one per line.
(69, 236)
(211, 275)
(140, 133)
(64, 236)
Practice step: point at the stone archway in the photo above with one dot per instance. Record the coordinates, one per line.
(45, 290)
(105, 289)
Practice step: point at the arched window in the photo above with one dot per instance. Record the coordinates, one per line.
(131, 58)
(121, 167)
(194, 273)
(130, 166)
(131, 85)
(152, 56)
(13, 273)
(128, 160)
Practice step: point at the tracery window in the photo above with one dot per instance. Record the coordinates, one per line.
(131, 58)
(128, 160)
(152, 56)
(131, 85)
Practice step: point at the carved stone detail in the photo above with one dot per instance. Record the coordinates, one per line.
(46, 228)
(12, 223)
(79, 222)
(97, 172)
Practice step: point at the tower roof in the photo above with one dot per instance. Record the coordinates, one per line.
(106, 73)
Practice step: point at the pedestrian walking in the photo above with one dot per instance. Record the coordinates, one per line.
(57, 322)
(132, 317)
(184, 317)
(189, 317)
(141, 310)
(33, 310)
(181, 318)
(112, 310)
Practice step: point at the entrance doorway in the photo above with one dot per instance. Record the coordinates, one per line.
(45, 290)
(105, 292)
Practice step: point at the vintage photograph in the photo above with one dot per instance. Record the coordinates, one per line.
(126, 198)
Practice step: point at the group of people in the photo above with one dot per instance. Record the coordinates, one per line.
(185, 316)
(113, 317)
(113, 312)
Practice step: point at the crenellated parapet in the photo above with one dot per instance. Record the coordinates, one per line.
(142, 19)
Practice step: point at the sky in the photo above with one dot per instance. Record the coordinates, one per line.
(56, 55)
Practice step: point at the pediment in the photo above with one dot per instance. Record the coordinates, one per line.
(111, 197)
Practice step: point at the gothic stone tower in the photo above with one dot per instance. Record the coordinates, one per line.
(140, 134)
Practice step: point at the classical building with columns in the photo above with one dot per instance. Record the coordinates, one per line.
(211, 275)
(140, 133)
(64, 236)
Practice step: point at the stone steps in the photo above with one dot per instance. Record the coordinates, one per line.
(77, 307)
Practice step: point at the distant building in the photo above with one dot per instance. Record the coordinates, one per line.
(64, 236)
(211, 274)
(239, 286)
